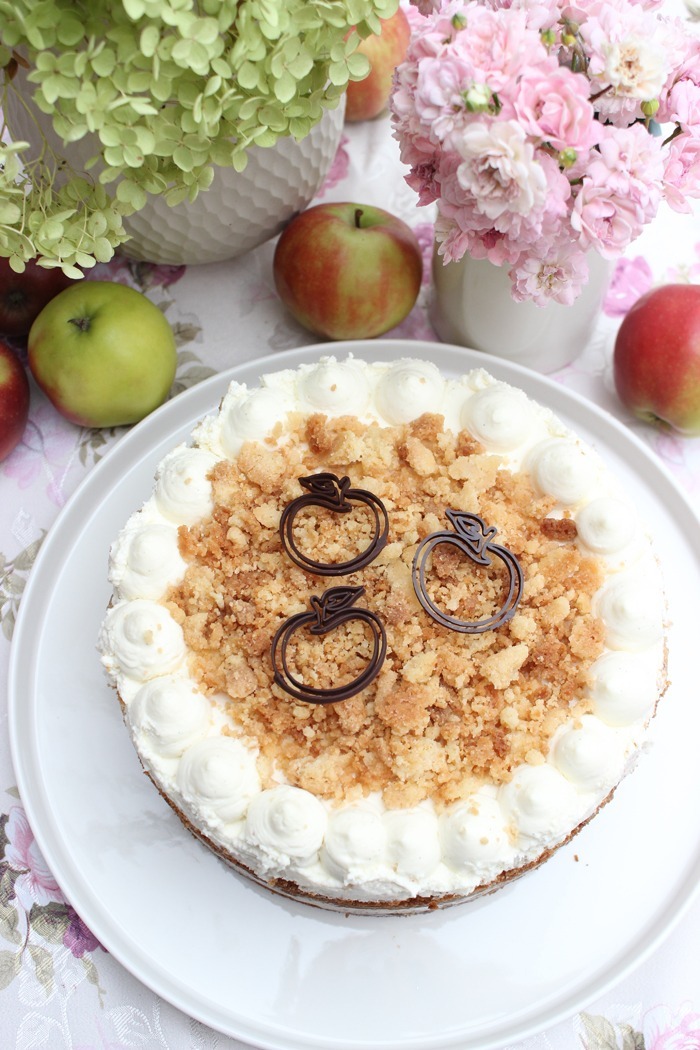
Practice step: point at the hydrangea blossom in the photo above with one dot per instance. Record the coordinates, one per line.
(546, 130)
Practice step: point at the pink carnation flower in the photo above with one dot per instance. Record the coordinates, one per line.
(499, 45)
(682, 172)
(557, 275)
(539, 15)
(628, 59)
(552, 105)
(603, 221)
(499, 169)
(683, 104)
(439, 95)
(629, 164)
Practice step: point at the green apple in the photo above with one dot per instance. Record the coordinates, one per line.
(348, 271)
(103, 354)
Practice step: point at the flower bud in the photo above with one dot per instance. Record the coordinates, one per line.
(651, 107)
(459, 21)
(568, 39)
(568, 157)
(548, 37)
(477, 98)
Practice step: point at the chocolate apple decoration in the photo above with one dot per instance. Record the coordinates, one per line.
(335, 494)
(331, 610)
(476, 540)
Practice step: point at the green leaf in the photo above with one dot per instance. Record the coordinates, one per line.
(104, 63)
(50, 921)
(9, 967)
(8, 624)
(69, 30)
(631, 1038)
(43, 966)
(183, 158)
(102, 249)
(248, 76)
(135, 9)
(358, 66)
(90, 970)
(338, 73)
(26, 558)
(150, 38)
(285, 87)
(9, 212)
(599, 1032)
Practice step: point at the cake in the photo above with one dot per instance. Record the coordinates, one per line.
(384, 639)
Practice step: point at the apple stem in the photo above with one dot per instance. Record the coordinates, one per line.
(358, 216)
(81, 323)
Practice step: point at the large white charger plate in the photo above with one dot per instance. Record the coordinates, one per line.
(284, 975)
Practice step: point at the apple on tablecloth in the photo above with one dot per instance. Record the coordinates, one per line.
(368, 98)
(24, 295)
(103, 354)
(656, 359)
(348, 271)
(14, 400)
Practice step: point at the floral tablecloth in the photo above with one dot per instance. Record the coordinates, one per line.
(59, 988)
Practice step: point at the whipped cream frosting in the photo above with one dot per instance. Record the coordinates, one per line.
(361, 851)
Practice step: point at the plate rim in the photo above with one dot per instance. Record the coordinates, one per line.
(389, 349)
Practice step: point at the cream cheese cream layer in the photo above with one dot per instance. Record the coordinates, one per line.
(362, 851)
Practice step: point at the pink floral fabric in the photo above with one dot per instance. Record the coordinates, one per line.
(666, 1029)
(34, 883)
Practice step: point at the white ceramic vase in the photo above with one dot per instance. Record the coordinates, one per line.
(239, 211)
(471, 305)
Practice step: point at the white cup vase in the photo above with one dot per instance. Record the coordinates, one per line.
(471, 305)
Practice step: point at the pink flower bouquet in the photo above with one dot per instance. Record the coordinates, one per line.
(544, 130)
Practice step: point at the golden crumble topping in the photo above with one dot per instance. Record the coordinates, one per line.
(447, 710)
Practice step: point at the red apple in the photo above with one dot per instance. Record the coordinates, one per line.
(656, 359)
(24, 295)
(14, 400)
(348, 271)
(369, 98)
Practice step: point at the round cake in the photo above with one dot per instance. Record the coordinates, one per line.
(384, 639)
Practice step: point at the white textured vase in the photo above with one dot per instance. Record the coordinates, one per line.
(239, 211)
(471, 305)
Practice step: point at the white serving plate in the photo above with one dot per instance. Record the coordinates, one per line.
(286, 976)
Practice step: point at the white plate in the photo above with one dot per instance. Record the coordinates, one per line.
(283, 975)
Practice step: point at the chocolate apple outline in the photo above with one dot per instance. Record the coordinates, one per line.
(328, 611)
(326, 489)
(474, 538)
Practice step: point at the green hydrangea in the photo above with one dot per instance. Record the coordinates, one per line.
(167, 89)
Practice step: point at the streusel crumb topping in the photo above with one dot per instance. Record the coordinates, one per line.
(447, 710)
